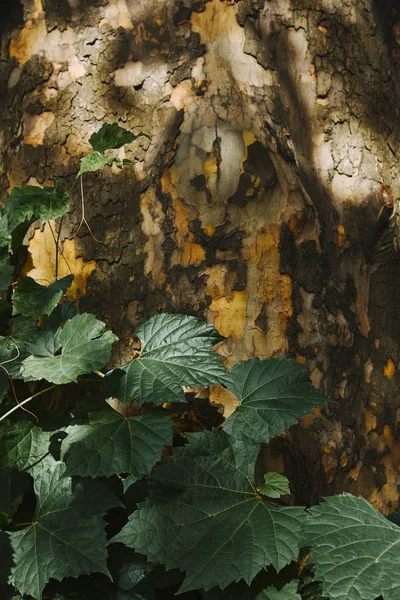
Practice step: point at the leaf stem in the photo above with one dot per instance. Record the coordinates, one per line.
(52, 387)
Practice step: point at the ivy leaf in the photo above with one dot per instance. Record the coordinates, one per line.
(273, 394)
(207, 519)
(28, 203)
(105, 443)
(354, 548)
(85, 347)
(289, 592)
(13, 485)
(275, 485)
(32, 299)
(176, 352)
(25, 447)
(112, 136)
(66, 537)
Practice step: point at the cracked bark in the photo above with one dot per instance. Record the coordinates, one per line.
(274, 124)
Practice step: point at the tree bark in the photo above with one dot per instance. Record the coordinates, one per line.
(274, 137)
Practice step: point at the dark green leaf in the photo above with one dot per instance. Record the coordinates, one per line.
(207, 518)
(107, 443)
(176, 352)
(6, 275)
(273, 394)
(354, 548)
(6, 591)
(5, 236)
(28, 203)
(275, 485)
(130, 584)
(13, 485)
(394, 517)
(289, 592)
(32, 299)
(86, 347)
(66, 537)
(112, 136)
(24, 446)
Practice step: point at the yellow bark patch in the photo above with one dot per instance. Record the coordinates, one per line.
(210, 165)
(220, 395)
(361, 280)
(370, 421)
(389, 369)
(153, 219)
(41, 265)
(341, 236)
(29, 41)
(209, 230)
(230, 316)
(35, 127)
(187, 252)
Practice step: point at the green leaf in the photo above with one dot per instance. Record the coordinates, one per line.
(354, 548)
(273, 394)
(24, 446)
(6, 275)
(130, 584)
(66, 537)
(5, 236)
(32, 299)
(112, 136)
(13, 485)
(86, 347)
(289, 592)
(28, 203)
(275, 485)
(176, 352)
(94, 162)
(105, 443)
(207, 519)
(6, 591)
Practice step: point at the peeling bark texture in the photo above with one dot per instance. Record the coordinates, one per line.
(274, 125)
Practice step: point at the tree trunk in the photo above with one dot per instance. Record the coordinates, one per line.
(274, 139)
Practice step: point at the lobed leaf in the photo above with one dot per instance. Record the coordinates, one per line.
(354, 548)
(176, 352)
(28, 203)
(289, 592)
(33, 300)
(273, 394)
(67, 536)
(85, 347)
(207, 519)
(105, 443)
(24, 446)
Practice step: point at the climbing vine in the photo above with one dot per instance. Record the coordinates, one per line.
(114, 483)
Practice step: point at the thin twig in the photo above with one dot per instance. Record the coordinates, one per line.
(83, 218)
(11, 380)
(20, 404)
(58, 249)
